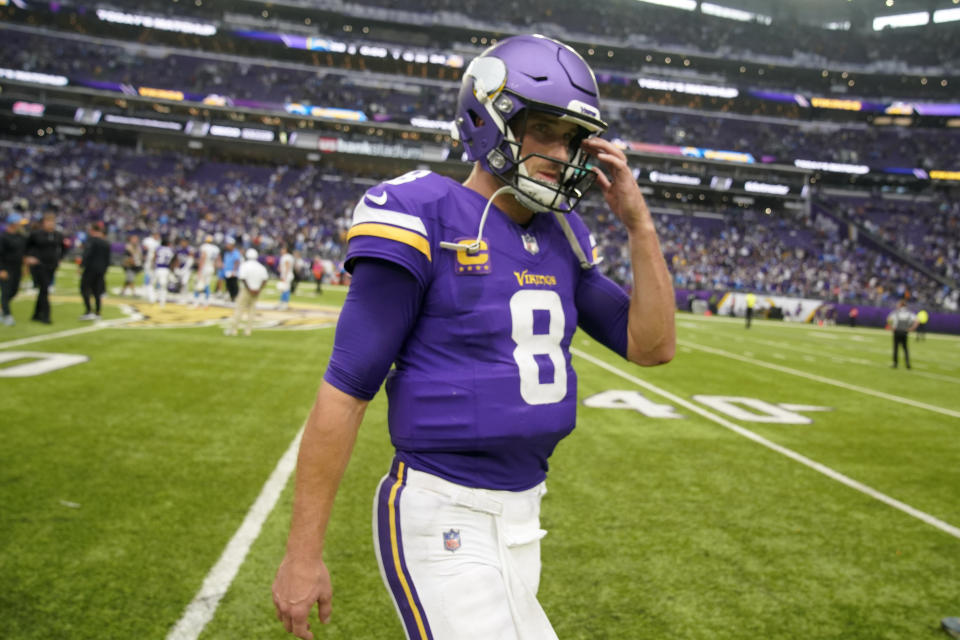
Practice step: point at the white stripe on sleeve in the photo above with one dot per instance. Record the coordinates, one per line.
(364, 213)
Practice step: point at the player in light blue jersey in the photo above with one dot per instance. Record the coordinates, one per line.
(231, 263)
(474, 291)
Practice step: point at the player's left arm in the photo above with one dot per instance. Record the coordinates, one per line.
(651, 334)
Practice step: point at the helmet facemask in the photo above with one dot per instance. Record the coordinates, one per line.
(574, 176)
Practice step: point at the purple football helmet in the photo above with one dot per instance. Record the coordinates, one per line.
(499, 87)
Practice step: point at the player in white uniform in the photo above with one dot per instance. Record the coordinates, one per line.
(163, 262)
(206, 268)
(184, 269)
(286, 277)
(150, 245)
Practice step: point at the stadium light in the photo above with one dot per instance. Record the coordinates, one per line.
(946, 15)
(730, 13)
(841, 25)
(900, 20)
(686, 5)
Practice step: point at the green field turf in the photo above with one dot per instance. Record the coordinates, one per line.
(123, 478)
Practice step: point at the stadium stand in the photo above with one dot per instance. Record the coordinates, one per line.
(738, 249)
(787, 37)
(908, 230)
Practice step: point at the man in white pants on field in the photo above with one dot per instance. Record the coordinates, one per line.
(163, 263)
(477, 313)
(150, 245)
(206, 267)
(286, 277)
(252, 276)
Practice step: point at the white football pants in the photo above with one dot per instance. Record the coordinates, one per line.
(162, 275)
(150, 282)
(460, 563)
(184, 276)
(204, 278)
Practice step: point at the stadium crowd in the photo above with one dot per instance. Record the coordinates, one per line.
(264, 207)
(926, 229)
(183, 196)
(180, 196)
(130, 65)
(824, 141)
(400, 99)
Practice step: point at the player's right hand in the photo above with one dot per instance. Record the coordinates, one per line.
(298, 585)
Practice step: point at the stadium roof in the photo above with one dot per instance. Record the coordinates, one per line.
(858, 12)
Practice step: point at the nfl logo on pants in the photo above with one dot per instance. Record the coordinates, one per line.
(451, 540)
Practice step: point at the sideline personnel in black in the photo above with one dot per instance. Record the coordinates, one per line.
(13, 244)
(902, 321)
(45, 248)
(95, 262)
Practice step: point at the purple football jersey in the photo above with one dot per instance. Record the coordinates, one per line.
(483, 388)
(164, 257)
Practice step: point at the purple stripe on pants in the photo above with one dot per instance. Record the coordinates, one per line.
(408, 604)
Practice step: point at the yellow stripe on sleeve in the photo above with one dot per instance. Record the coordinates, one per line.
(394, 546)
(410, 238)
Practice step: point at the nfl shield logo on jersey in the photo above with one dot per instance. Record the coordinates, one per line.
(451, 540)
(530, 244)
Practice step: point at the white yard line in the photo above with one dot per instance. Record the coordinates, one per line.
(823, 380)
(793, 455)
(848, 359)
(200, 611)
(845, 331)
(103, 324)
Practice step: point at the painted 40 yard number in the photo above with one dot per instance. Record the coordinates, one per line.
(735, 407)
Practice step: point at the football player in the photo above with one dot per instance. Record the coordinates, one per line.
(163, 263)
(484, 284)
(209, 253)
(230, 263)
(150, 245)
(184, 268)
(285, 285)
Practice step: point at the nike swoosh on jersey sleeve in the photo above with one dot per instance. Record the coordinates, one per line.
(379, 200)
